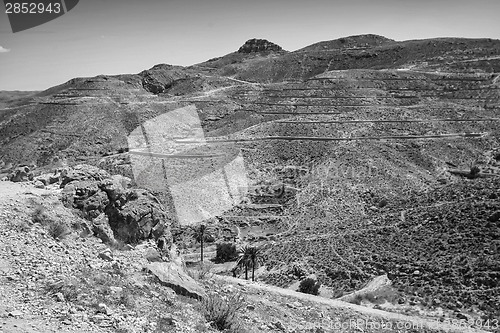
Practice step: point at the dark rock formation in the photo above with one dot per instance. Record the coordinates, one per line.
(258, 45)
(137, 215)
(132, 214)
(20, 174)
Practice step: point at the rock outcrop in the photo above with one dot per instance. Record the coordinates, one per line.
(172, 276)
(132, 214)
(258, 45)
(82, 172)
(137, 215)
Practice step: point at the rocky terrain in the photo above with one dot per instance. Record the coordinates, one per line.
(349, 159)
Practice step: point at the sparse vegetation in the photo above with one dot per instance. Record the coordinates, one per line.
(474, 171)
(222, 311)
(40, 215)
(202, 271)
(58, 229)
(309, 286)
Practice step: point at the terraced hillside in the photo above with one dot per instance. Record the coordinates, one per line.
(351, 157)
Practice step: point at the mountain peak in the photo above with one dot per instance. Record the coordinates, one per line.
(258, 45)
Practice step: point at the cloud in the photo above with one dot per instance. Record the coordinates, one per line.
(4, 50)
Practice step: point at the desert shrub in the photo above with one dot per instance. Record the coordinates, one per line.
(338, 293)
(298, 270)
(226, 252)
(202, 271)
(357, 300)
(382, 203)
(57, 229)
(474, 171)
(221, 311)
(68, 288)
(309, 286)
(40, 215)
(21, 225)
(127, 300)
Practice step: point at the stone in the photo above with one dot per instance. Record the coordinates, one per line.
(48, 178)
(21, 174)
(172, 276)
(15, 313)
(103, 308)
(59, 297)
(115, 186)
(106, 255)
(279, 326)
(294, 305)
(39, 184)
(116, 290)
(228, 289)
(153, 255)
(102, 230)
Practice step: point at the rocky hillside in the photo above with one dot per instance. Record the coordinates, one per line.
(381, 152)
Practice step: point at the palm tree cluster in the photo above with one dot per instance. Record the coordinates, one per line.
(250, 257)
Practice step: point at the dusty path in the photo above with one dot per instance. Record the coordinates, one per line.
(418, 322)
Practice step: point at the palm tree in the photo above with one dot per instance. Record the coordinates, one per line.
(255, 255)
(200, 236)
(244, 259)
(250, 256)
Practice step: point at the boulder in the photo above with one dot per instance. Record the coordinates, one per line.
(172, 276)
(138, 215)
(85, 196)
(102, 230)
(115, 186)
(39, 184)
(152, 255)
(48, 178)
(21, 174)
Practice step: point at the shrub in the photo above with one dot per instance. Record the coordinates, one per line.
(474, 171)
(40, 215)
(309, 286)
(202, 271)
(226, 252)
(221, 311)
(382, 203)
(57, 230)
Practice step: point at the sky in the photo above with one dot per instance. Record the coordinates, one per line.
(128, 36)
